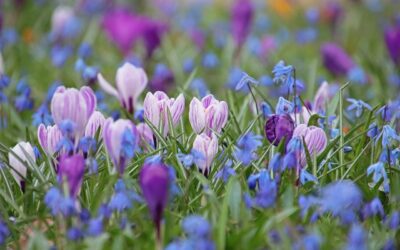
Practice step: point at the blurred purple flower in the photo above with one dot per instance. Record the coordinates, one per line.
(278, 127)
(241, 20)
(392, 40)
(335, 59)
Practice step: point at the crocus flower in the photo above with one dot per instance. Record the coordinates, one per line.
(208, 115)
(278, 127)
(121, 139)
(74, 105)
(130, 81)
(49, 137)
(95, 123)
(157, 105)
(21, 154)
(314, 138)
(146, 135)
(241, 20)
(322, 98)
(336, 60)
(71, 169)
(154, 182)
(208, 147)
(392, 40)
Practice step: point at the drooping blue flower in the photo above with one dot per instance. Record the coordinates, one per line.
(356, 238)
(284, 106)
(195, 226)
(252, 181)
(275, 162)
(246, 146)
(378, 172)
(307, 177)
(309, 242)
(388, 136)
(393, 222)
(266, 109)
(283, 74)
(53, 199)
(373, 130)
(373, 208)
(244, 81)
(95, 227)
(42, 116)
(123, 198)
(74, 234)
(210, 61)
(226, 172)
(267, 191)
(358, 106)
(4, 232)
(290, 160)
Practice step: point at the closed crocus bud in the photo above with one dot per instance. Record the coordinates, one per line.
(278, 127)
(336, 60)
(145, 133)
(74, 105)
(208, 114)
(49, 137)
(392, 40)
(95, 123)
(207, 148)
(241, 18)
(154, 182)
(314, 138)
(21, 154)
(156, 108)
(130, 81)
(121, 139)
(322, 97)
(71, 170)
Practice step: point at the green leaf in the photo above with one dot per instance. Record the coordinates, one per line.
(234, 199)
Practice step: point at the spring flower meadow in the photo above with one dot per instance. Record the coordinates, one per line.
(200, 124)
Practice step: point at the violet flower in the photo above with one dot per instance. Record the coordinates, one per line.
(241, 19)
(314, 138)
(95, 123)
(207, 146)
(392, 40)
(49, 137)
(336, 60)
(71, 169)
(278, 127)
(154, 182)
(130, 81)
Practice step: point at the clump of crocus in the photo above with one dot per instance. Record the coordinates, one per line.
(130, 82)
(154, 182)
(70, 171)
(207, 147)
(157, 106)
(21, 154)
(336, 60)
(392, 40)
(121, 139)
(279, 127)
(314, 138)
(74, 105)
(208, 115)
(49, 138)
(241, 20)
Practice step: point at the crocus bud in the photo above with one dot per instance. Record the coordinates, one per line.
(71, 169)
(96, 122)
(336, 60)
(321, 98)
(156, 108)
(121, 139)
(49, 137)
(130, 81)
(207, 147)
(392, 40)
(74, 105)
(21, 154)
(314, 138)
(154, 182)
(208, 114)
(278, 127)
(241, 19)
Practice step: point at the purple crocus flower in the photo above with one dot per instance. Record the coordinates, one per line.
(125, 28)
(242, 17)
(314, 138)
(154, 182)
(71, 169)
(335, 59)
(49, 137)
(74, 105)
(121, 139)
(278, 127)
(392, 40)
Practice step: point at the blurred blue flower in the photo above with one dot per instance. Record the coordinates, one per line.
(266, 109)
(85, 50)
(357, 75)
(393, 222)
(283, 74)
(378, 172)
(60, 54)
(128, 144)
(275, 163)
(309, 242)
(312, 15)
(42, 116)
(307, 177)
(4, 232)
(188, 65)
(123, 198)
(196, 226)
(74, 234)
(388, 135)
(246, 145)
(199, 85)
(358, 106)
(226, 172)
(284, 106)
(306, 35)
(373, 130)
(356, 238)
(87, 144)
(373, 208)
(95, 227)
(265, 80)
(188, 159)
(245, 80)
(210, 61)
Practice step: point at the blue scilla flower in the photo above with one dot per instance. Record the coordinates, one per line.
(373, 208)
(4, 232)
(305, 177)
(42, 116)
(306, 35)
(266, 191)
(394, 80)
(290, 160)
(252, 181)
(139, 115)
(357, 75)
(358, 106)
(309, 242)
(226, 172)
(23, 102)
(57, 203)
(95, 227)
(123, 198)
(128, 145)
(51, 90)
(85, 50)
(275, 162)
(393, 222)
(245, 80)
(235, 75)
(246, 145)
(189, 159)
(385, 112)
(87, 144)
(378, 172)
(284, 106)
(388, 135)
(89, 74)
(60, 54)
(283, 74)
(356, 239)
(8, 36)
(200, 86)
(195, 226)
(266, 109)
(306, 203)
(265, 80)
(188, 65)
(80, 65)
(210, 61)
(254, 45)
(312, 15)
(75, 234)
(373, 130)
(4, 81)
(389, 156)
